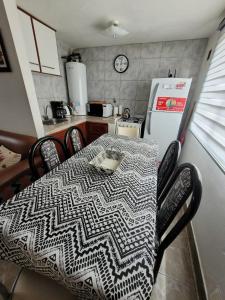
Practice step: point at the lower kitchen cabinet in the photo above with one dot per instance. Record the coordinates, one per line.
(91, 131)
(95, 130)
(61, 134)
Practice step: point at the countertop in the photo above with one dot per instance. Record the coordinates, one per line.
(75, 120)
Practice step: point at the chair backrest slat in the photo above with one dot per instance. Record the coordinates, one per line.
(49, 154)
(175, 197)
(167, 166)
(75, 138)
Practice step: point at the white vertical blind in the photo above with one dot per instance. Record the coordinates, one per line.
(208, 122)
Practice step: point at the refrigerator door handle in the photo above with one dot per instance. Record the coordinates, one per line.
(149, 122)
(151, 107)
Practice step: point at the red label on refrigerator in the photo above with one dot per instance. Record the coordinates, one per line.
(171, 104)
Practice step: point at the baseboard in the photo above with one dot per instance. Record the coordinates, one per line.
(197, 265)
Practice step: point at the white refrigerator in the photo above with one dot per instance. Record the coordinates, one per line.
(167, 102)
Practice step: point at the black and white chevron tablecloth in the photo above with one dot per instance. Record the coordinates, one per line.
(91, 232)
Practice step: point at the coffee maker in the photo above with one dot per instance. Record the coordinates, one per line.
(58, 111)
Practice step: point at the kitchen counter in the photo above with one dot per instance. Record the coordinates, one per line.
(75, 120)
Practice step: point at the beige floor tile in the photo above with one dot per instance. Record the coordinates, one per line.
(8, 273)
(182, 240)
(170, 289)
(177, 264)
(32, 286)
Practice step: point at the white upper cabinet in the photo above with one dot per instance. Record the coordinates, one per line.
(47, 48)
(41, 46)
(29, 40)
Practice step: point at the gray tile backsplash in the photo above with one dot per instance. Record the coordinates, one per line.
(49, 87)
(96, 88)
(132, 88)
(174, 49)
(151, 50)
(128, 90)
(95, 70)
(143, 90)
(112, 89)
(146, 61)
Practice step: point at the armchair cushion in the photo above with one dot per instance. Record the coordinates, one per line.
(18, 143)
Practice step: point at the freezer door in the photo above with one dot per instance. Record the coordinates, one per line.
(169, 89)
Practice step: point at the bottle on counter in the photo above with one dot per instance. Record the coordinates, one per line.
(120, 109)
(116, 110)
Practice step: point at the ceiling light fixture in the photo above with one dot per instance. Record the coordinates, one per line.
(115, 31)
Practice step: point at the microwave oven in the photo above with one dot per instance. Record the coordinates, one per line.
(100, 109)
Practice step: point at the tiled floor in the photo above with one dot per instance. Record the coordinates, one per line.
(175, 280)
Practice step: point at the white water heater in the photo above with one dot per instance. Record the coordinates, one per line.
(77, 86)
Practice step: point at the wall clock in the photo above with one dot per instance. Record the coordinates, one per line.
(121, 63)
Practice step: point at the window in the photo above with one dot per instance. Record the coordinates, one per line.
(208, 122)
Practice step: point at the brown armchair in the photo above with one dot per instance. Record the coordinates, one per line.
(17, 176)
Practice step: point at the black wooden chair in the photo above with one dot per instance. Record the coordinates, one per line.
(50, 157)
(74, 139)
(167, 165)
(185, 182)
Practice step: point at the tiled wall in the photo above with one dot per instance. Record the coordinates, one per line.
(49, 87)
(146, 61)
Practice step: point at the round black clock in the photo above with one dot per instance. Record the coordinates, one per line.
(121, 63)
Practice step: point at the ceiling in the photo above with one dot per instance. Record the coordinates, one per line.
(81, 22)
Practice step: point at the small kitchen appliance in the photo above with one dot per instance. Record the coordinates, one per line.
(115, 110)
(126, 113)
(74, 57)
(99, 109)
(131, 127)
(120, 110)
(69, 110)
(58, 111)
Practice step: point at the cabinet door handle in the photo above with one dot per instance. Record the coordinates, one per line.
(32, 63)
(48, 67)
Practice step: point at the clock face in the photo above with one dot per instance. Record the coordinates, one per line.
(121, 63)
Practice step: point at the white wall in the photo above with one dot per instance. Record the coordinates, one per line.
(19, 110)
(209, 223)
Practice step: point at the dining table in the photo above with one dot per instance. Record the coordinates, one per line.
(92, 232)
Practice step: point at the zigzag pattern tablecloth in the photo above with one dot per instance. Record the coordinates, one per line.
(91, 232)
